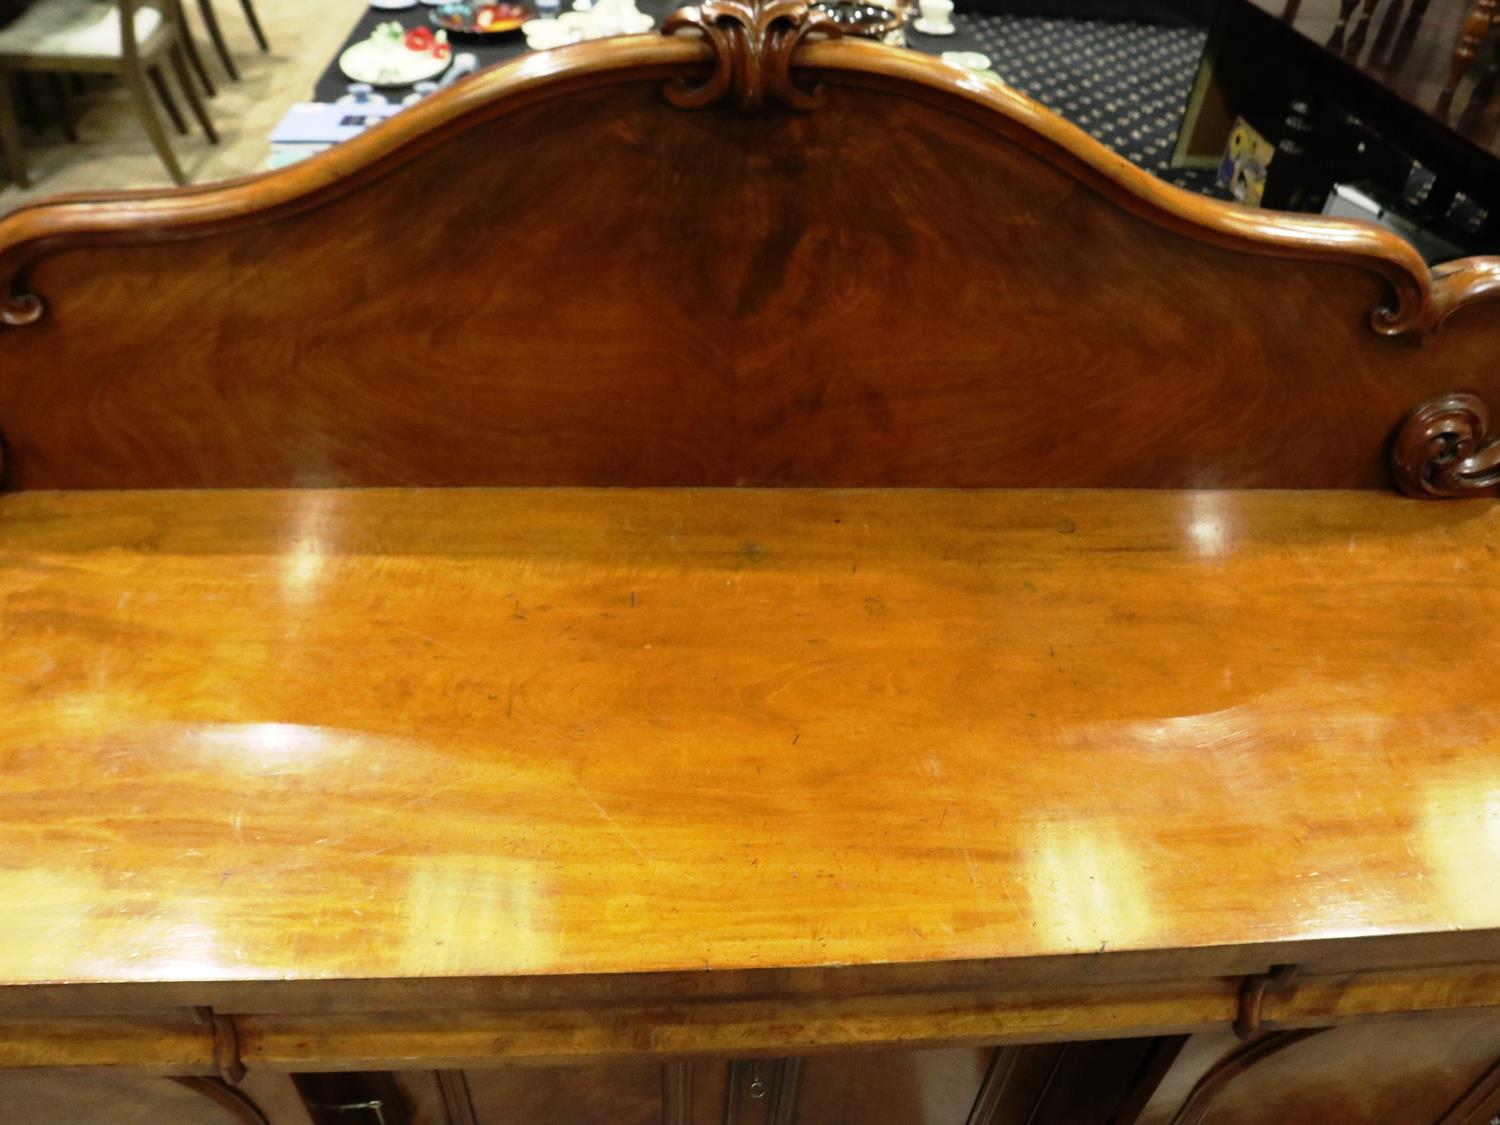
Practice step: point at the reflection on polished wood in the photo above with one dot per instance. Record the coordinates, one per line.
(686, 787)
(289, 737)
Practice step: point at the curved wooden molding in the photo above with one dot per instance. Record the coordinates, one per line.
(1444, 449)
(233, 1102)
(752, 41)
(752, 48)
(1234, 1064)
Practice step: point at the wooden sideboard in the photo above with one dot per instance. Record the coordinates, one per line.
(1077, 724)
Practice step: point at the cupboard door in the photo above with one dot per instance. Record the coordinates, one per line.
(629, 1093)
(1094, 1083)
(1431, 1071)
(935, 1087)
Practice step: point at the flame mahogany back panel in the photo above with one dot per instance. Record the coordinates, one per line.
(604, 289)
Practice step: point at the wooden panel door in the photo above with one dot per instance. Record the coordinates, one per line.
(1434, 1071)
(67, 1097)
(1095, 1083)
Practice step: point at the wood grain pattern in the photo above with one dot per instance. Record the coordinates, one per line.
(897, 289)
(284, 739)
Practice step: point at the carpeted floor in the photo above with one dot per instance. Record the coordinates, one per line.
(113, 151)
(1126, 83)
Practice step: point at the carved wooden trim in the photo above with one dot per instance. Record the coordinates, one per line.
(458, 1104)
(677, 1093)
(1247, 1020)
(750, 46)
(226, 1097)
(1464, 281)
(1148, 1079)
(752, 42)
(788, 1088)
(226, 1045)
(1198, 1102)
(986, 1107)
(1479, 1103)
(1444, 449)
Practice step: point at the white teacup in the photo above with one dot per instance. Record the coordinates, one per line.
(937, 15)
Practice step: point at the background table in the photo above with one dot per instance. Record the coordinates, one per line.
(501, 48)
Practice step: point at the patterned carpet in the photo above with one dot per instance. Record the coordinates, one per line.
(1126, 84)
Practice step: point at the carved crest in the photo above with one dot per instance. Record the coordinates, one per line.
(752, 42)
(1444, 449)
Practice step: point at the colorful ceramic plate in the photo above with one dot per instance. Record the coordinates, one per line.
(480, 19)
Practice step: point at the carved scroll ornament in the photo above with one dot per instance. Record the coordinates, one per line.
(1444, 449)
(752, 42)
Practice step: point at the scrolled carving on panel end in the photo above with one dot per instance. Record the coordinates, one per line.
(1444, 449)
(18, 309)
(1424, 303)
(752, 43)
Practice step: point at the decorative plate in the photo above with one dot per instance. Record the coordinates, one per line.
(868, 20)
(480, 19)
(393, 56)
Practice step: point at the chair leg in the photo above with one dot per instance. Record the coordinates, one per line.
(140, 94)
(64, 106)
(195, 57)
(190, 46)
(179, 68)
(31, 109)
(159, 83)
(10, 134)
(254, 21)
(1361, 30)
(216, 33)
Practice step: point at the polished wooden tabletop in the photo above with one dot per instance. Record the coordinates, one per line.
(403, 734)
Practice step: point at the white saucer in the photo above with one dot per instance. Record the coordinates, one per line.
(971, 60)
(393, 5)
(366, 62)
(933, 28)
(545, 34)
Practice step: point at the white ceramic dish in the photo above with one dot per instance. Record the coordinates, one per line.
(543, 35)
(972, 60)
(392, 5)
(368, 61)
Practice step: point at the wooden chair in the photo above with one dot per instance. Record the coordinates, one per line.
(131, 38)
(1482, 21)
(216, 33)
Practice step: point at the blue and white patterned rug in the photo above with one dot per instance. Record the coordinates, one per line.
(1126, 84)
